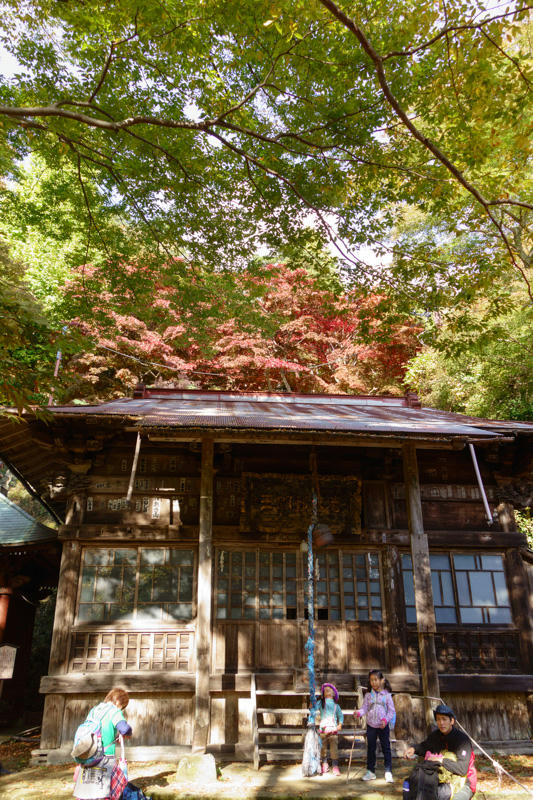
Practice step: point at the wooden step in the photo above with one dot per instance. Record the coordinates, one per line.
(288, 731)
(293, 753)
(301, 692)
(347, 713)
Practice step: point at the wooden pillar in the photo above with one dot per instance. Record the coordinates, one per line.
(67, 592)
(394, 608)
(425, 611)
(506, 517)
(203, 617)
(521, 604)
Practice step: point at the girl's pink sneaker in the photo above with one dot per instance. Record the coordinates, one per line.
(325, 767)
(336, 771)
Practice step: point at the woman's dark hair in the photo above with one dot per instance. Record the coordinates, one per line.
(118, 696)
(378, 672)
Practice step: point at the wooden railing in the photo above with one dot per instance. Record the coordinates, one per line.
(124, 651)
(471, 651)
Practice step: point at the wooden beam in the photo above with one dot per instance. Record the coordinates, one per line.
(479, 684)
(59, 651)
(96, 683)
(425, 611)
(203, 616)
(305, 438)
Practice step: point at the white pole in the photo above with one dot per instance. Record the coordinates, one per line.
(134, 466)
(480, 484)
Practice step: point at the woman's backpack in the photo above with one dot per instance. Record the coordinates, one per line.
(88, 749)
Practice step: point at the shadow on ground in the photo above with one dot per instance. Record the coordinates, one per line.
(239, 781)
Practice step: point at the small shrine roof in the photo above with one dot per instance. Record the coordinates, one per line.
(18, 527)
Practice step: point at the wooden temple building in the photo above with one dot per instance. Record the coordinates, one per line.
(183, 575)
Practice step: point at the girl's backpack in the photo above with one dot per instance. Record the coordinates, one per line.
(88, 749)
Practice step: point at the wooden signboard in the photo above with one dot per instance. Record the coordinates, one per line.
(7, 661)
(277, 503)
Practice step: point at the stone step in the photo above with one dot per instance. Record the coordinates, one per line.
(38, 758)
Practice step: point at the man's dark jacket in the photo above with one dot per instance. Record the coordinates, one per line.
(455, 742)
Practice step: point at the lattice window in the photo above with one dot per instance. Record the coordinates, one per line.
(270, 585)
(467, 588)
(121, 652)
(482, 589)
(142, 584)
(361, 586)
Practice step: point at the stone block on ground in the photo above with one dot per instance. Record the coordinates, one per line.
(197, 769)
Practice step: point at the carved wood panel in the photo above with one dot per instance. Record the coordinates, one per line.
(273, 502)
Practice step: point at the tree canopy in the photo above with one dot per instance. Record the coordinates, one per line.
(170, 140)
(211, 125)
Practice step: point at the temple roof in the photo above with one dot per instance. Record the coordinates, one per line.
(375, 415)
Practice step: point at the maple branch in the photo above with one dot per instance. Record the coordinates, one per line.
(104, 73)
(109, 59)
(377, 60)
(511, 59)
(294, 189)
(451, 29)
(449, 60)
(88, 205)
(520, 203)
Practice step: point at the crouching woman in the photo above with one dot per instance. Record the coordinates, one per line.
(107, 778)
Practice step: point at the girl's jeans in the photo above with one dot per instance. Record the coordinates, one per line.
(372, 735)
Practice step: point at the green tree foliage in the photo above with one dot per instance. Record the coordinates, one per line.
(210, 125)
(40, 651)
(187, 134)
(524, 523)
(26, 339)
(481, 365)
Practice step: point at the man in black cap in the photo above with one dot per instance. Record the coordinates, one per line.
(446, 739)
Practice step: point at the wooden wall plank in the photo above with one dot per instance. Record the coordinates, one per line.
(156, 718)
(54, 705)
